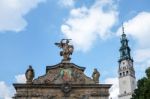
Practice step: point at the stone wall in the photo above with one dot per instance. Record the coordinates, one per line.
(36, 91)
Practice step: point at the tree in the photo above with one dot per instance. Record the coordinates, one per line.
(143, 87)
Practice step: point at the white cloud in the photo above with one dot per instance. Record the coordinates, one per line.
(67, 3)
(142, 61)
(142, 55)
(84, 24)
(20, 78)
(6, 92)
(138, 28)
(114, 90)
(12, 13)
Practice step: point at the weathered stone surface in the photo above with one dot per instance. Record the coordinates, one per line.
(78, 91)
(62, 81)
(64, 72)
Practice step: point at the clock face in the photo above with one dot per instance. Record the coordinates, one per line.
(123, 64)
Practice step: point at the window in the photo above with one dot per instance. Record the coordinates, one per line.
(120, 74)
(123, 73)
(125, 92)
(126, 72)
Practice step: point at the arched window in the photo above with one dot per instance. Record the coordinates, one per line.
(120, 74)
(123, 73)
(127, 72)
(125, 92)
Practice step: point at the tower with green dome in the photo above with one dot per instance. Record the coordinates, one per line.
(127, 80)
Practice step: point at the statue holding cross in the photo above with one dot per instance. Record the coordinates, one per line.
(67, 49)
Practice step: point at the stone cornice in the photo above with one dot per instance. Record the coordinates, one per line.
(17, 85)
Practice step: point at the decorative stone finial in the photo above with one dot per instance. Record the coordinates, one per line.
(96, 76)
(67, 50)
(29, 74)
(123, 28)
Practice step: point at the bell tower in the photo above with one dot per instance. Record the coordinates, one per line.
(127, 80)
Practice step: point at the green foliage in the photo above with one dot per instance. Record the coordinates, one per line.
(148, 72)
(143, 87)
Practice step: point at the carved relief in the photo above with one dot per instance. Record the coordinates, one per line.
(66, 88)
(63, 75)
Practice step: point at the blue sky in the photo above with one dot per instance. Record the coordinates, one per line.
(29, 29)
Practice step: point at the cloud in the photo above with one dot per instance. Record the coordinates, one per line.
(67, 3)
(114, 90)
(85, 25)
(5, 91)
(142, 60)
(142, 55)
(138, 28)
(20, 78)
(12, 13)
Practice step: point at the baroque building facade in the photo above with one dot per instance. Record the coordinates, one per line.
(64, 80)
(126, 72)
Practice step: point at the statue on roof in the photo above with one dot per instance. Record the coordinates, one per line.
(29, 74)
(96, 75)
(67, 49)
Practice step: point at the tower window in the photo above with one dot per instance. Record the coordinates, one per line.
(125, 92)
(126, 72)
(123, 73)
(123, 53)
(120, 74)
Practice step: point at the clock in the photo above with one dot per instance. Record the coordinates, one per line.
(123, 63)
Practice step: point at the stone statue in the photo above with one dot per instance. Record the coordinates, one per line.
(96, 76)
(29, 74)
(67, 49)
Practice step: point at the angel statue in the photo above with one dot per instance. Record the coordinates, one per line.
(67, 49)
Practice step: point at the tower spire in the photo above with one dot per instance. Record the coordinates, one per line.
(123, 28)
(124, 49)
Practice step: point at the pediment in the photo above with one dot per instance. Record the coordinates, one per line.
(65, 65)
(62, 73)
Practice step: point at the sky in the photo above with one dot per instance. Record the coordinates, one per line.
(29, 29)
